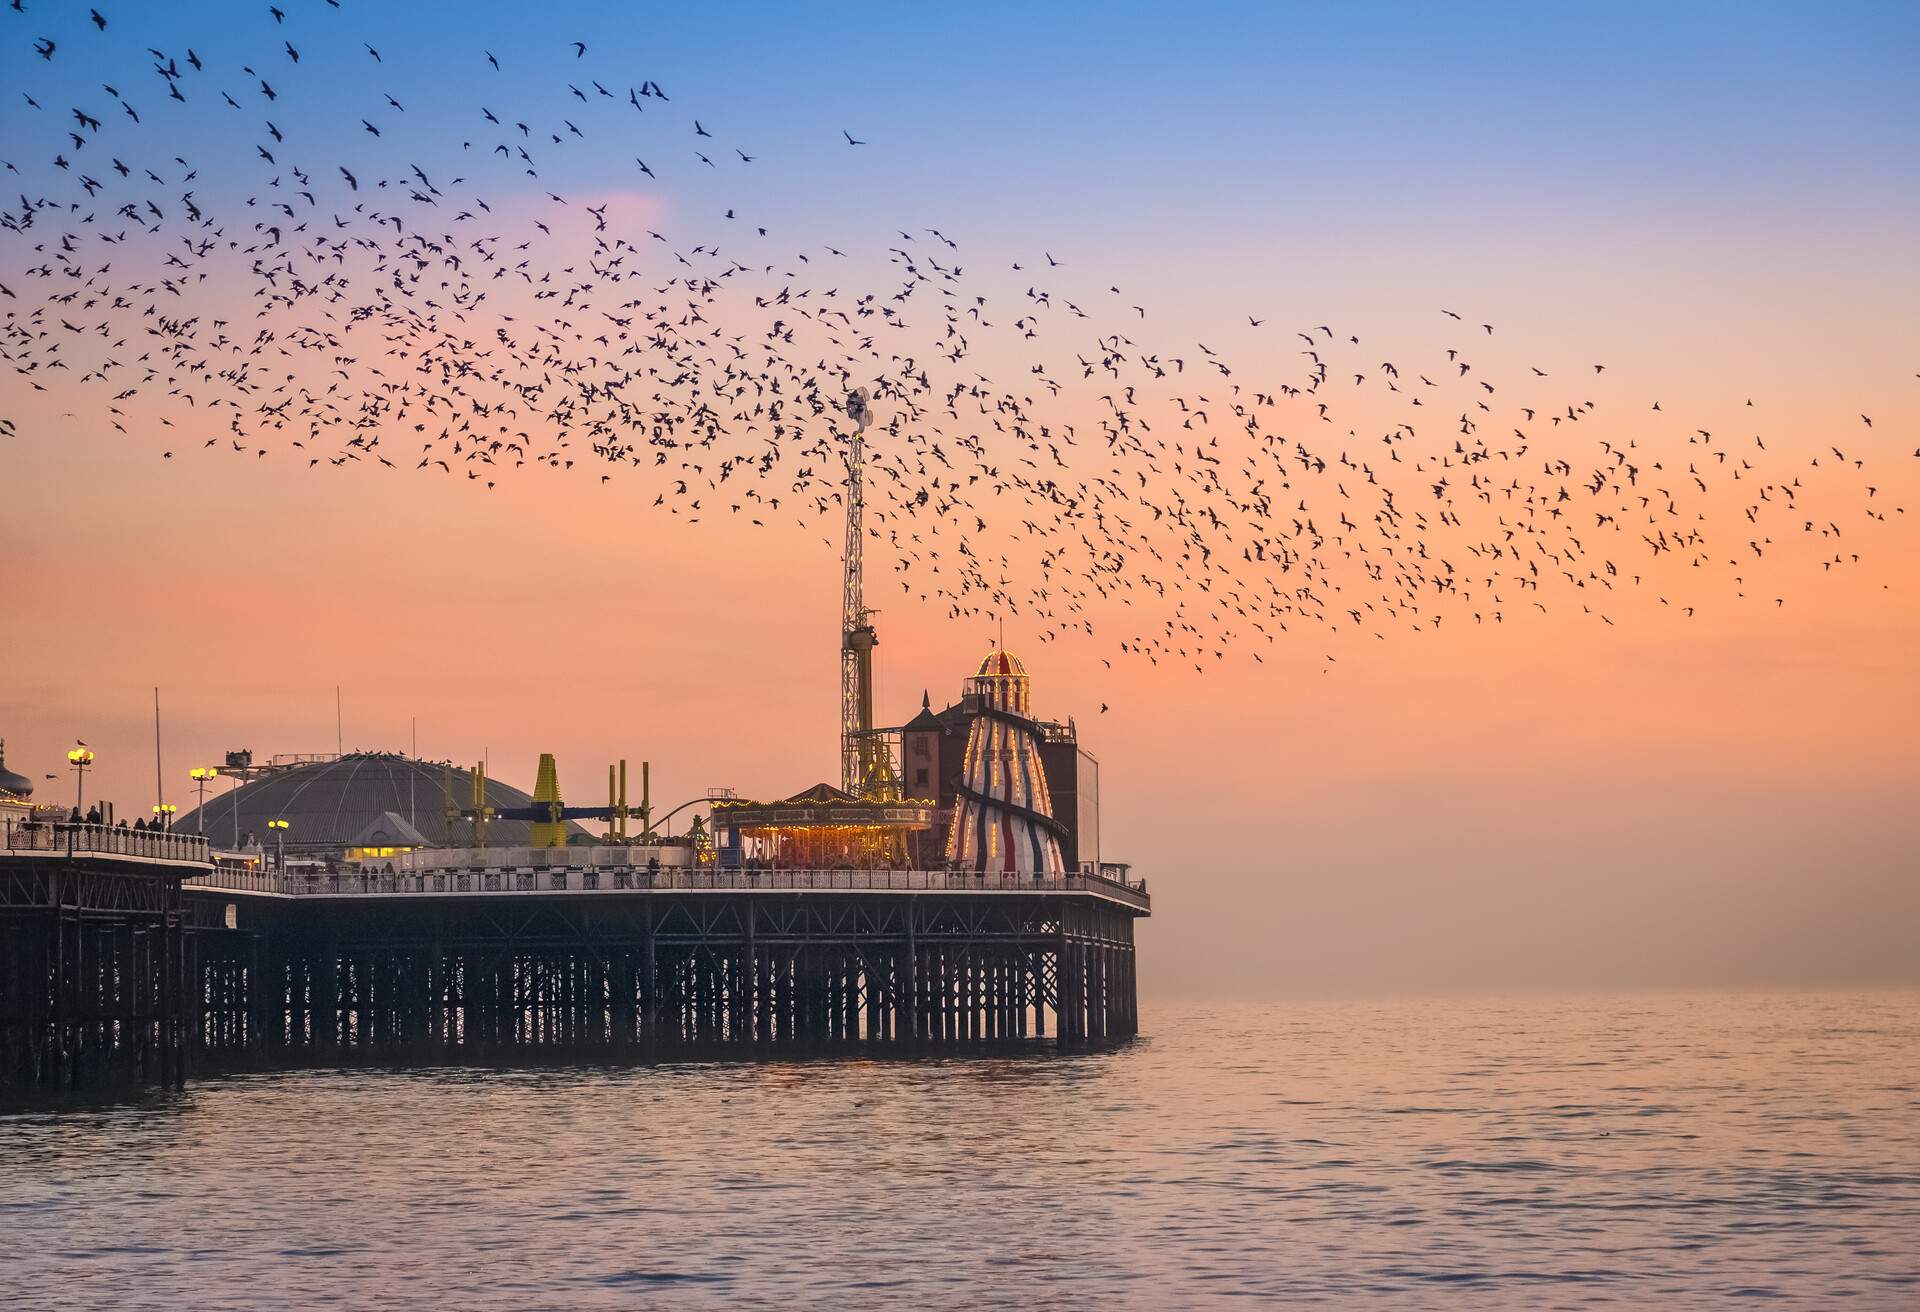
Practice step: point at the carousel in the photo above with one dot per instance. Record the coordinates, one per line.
(823, 828)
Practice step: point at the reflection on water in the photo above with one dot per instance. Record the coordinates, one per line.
(1648, 1151)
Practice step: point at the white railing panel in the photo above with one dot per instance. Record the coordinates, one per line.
(85, 840)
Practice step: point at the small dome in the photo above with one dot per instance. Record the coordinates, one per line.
(1002, 664)
(17, 785)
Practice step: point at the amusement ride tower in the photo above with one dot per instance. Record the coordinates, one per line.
(866, 763)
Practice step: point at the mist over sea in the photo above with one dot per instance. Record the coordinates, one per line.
(1640, 1150)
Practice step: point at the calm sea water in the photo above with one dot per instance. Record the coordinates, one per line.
(1636, 1151)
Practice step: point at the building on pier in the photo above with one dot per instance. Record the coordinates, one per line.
(389, 836)
(330, 802)
(933, 756)
(982, 785)
(1003, 811)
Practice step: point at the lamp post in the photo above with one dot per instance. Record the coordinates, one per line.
(163, 815)
(80, 758)
(279, 828)
(202, 775)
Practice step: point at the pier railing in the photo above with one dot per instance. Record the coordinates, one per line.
(23, 838)
(603, 857)
(570, 879)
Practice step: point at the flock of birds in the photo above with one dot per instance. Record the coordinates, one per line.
(1181, 504)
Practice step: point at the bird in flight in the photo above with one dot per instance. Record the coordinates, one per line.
(1041, 451)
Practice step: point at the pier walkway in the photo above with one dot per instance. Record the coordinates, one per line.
(520, 875)
(111, 844)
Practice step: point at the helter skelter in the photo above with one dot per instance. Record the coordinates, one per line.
(1003, 816)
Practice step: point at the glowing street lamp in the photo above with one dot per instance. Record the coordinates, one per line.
(163, 814)
(80, 758)
(279, 828)
(202, 775)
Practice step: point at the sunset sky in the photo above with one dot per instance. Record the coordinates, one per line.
(1718, 203)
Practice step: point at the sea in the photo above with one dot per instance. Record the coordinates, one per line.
(1635, 1150)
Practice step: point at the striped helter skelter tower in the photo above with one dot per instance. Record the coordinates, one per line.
(1003, 817)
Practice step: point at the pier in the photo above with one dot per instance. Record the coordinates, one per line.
(948, 893)
(132, 957)
(572, 952)
(96, 972)
(366, 909)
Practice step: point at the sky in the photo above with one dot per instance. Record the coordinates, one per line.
(1716, 200)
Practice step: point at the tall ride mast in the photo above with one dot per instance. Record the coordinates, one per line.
(866, 765)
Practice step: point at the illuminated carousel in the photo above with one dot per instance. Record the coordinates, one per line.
(823, 828)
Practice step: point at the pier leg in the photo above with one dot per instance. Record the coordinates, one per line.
(649, 986)
(1065, 1031)
(910, 985)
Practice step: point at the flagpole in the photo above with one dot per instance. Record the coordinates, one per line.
(159, 787)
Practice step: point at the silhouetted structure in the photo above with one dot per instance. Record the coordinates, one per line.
(96, 969)
(577, 955)
(330, 801)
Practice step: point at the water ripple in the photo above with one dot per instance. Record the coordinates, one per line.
(1647, 1152)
